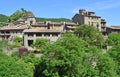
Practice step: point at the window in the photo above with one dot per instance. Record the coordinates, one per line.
(39, 35)
(47, 35)
(30, 42)
(30, 35)
(55, 35)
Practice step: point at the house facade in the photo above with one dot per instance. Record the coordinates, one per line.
(48, 30)
(89, 18)
(115, 29)
(10, 31)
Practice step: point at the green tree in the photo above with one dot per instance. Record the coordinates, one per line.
(114, 52)
(15, 16)
(18, 39)
(97, 64)
(9, 67)
(19, 14)
(40, 43)
(53, 19)
(90, 34)
(62, 59)
(113, 39)
(3, 18)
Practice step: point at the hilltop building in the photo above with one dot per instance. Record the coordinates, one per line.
(89, 18)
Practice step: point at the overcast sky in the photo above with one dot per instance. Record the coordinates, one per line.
(107, 9)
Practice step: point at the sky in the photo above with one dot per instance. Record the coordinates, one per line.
(107, 9)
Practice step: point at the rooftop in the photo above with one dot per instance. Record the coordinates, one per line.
(114, 27)
(16, 27)
(41, 31)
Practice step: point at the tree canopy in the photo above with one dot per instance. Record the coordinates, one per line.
(113, 39)
(90, 34)
(10, 67)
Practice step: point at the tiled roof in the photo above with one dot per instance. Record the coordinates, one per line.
(55, 23)
(37, 24)
(70, 23)
(16, 27)
(93, 16)
(70, 27)
(114, 27)
(41, 31)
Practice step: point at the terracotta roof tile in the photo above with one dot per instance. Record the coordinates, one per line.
(41, 30)
(114, 27)
(16, 27)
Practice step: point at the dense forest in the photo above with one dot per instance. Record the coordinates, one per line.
(79, 54)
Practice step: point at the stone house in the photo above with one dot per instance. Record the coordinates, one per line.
(48, 30)
(89, 18)
(115, 29)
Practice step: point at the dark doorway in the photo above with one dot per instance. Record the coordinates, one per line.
(30, 42)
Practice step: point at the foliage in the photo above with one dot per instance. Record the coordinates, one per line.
(31, 58)
(106, 66)
(10, 67)
(102, 64)
(18, 39)
(52, 19)
(3, 18)
(115, 54)
(62, 60)
(69, 57)
(113, 39)
(90, 34)
(19, 14)
(3, 43)
(39, 43)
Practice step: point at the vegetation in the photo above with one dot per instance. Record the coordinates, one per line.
(53, 19)
(22, 13)
(77, 54)
(39, 44)
(10, 67)
(19, 14)
(69, 57)
(113, 39)
(3, 18)
(115, 54)
(90, 34)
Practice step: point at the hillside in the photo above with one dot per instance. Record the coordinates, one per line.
(38, 19)
(3, 18)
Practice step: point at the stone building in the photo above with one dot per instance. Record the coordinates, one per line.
(10, 31)
(48, 30)
(115, 29)
(89, 18)
(30, 30)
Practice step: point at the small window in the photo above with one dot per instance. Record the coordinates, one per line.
(47, 35)
(55, 35)
(30, 35)
(39, 35)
